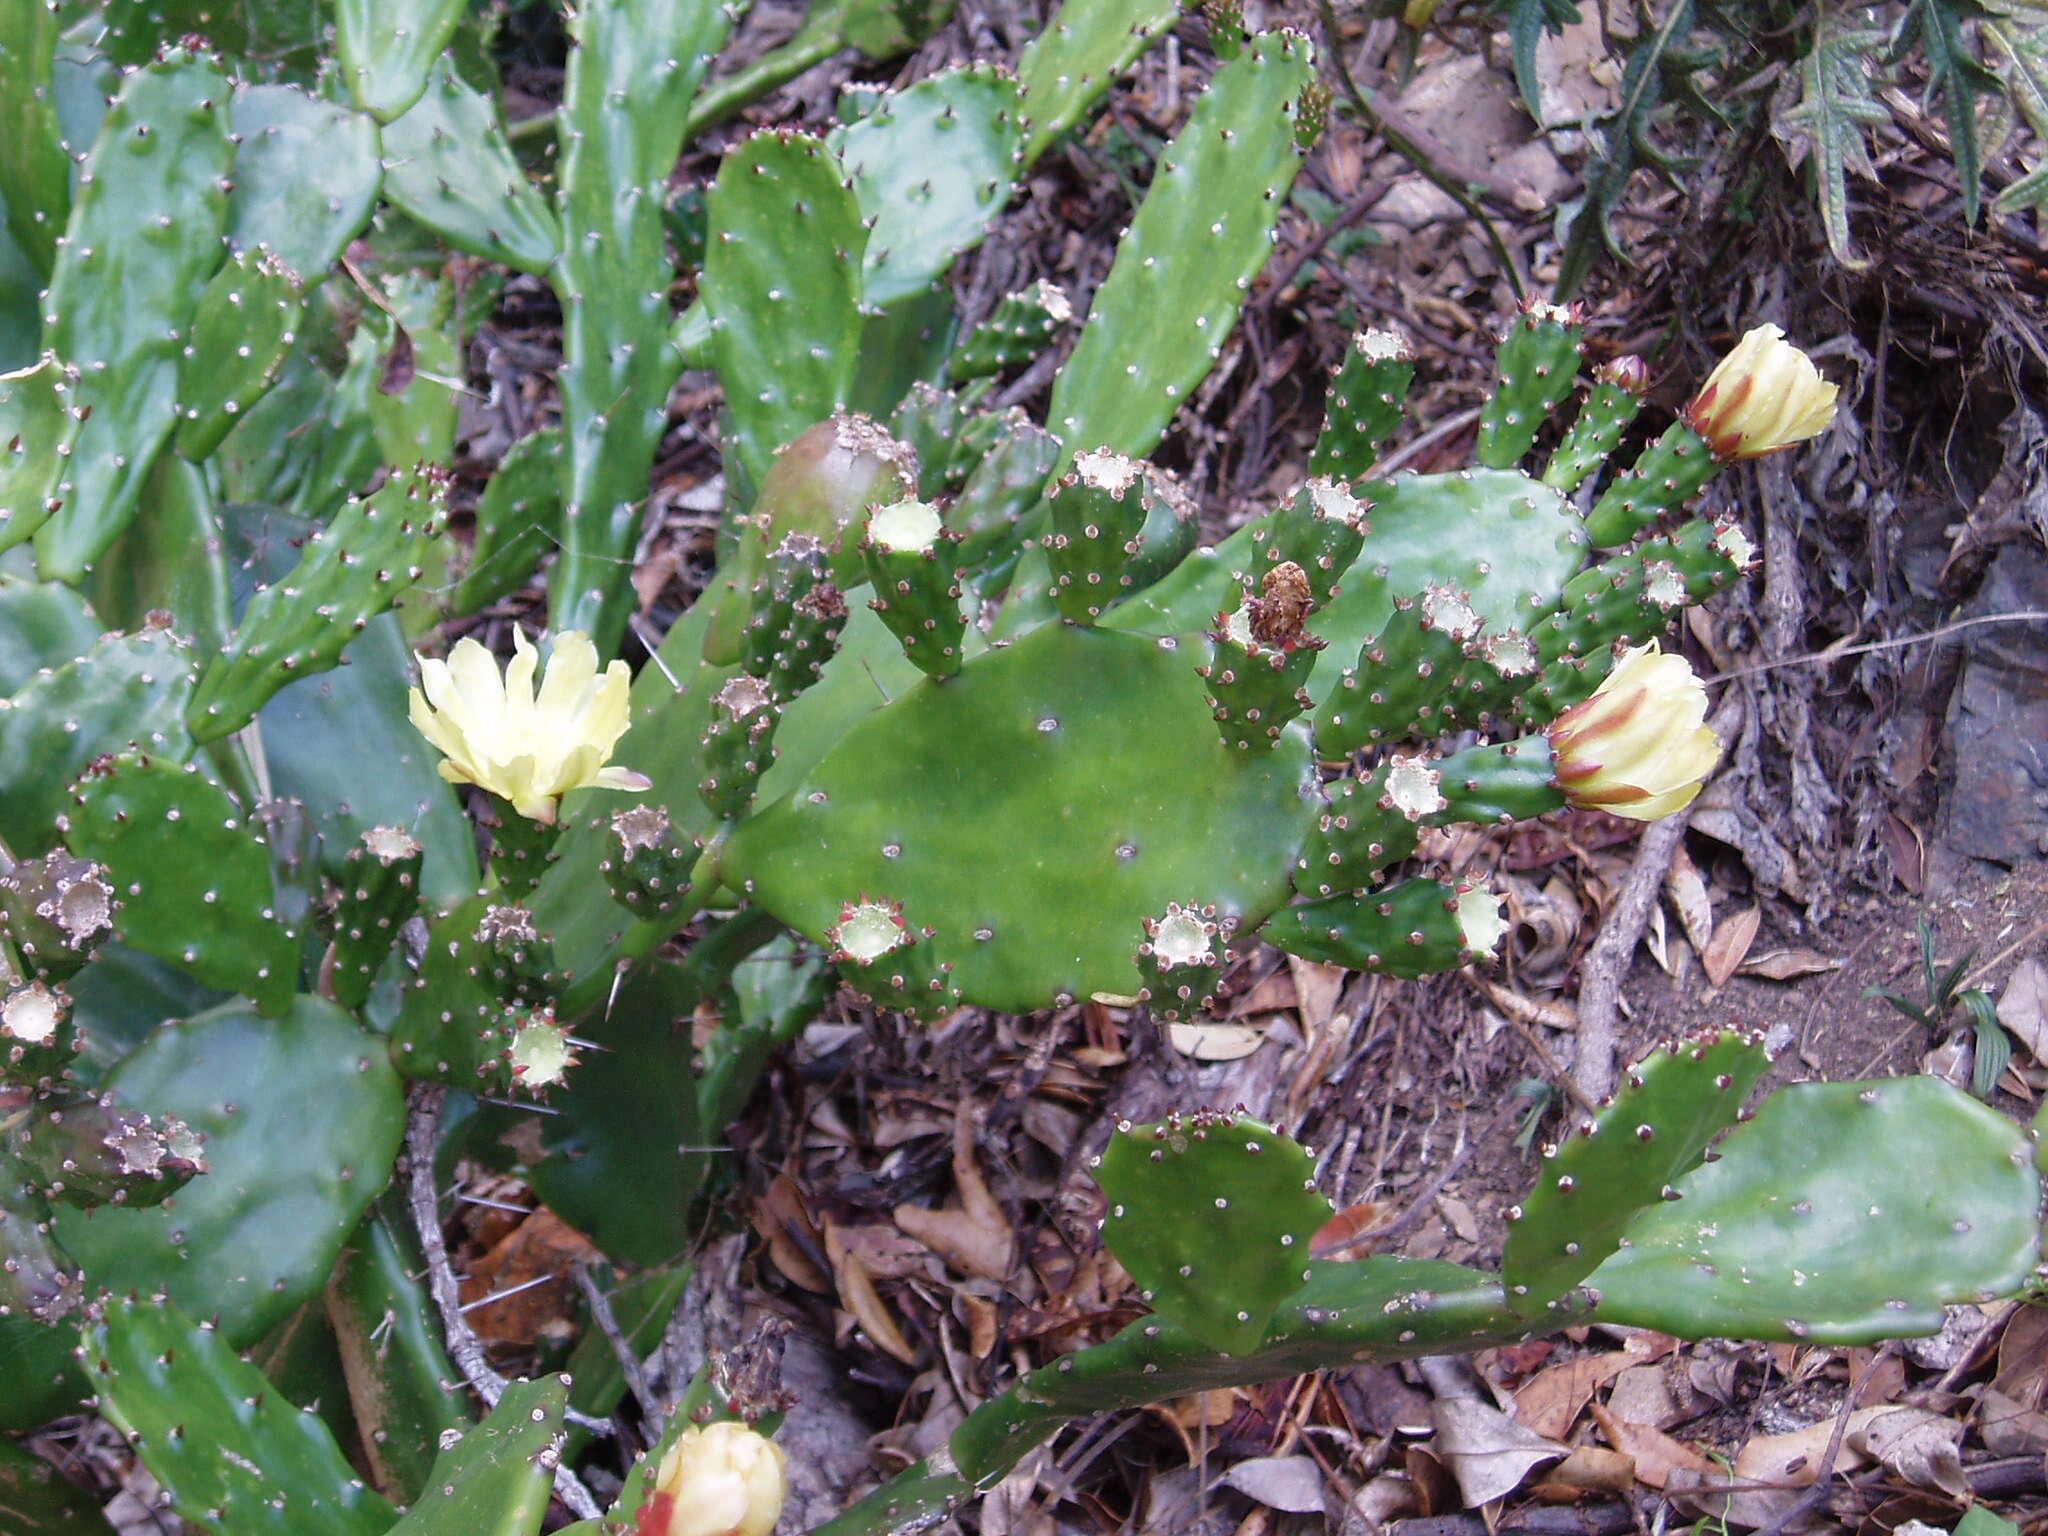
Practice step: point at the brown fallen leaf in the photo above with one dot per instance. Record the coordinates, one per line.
(1551, 1401)
(1730, 943)
(1589, 1469)
(2023, 1007)
(1318, 987)
(1215, 1042)
(784, 1223)
(2007, 1429)
(976, 1238)
(1656, 1455)
(1922, 1449)
(1789, 964)
(1348, 1234)
(858, 1295)
(530, 1271)
(1687, 891)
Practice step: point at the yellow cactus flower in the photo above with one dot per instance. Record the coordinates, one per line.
(722, 1479)
(527, 750)
(1765, 395)
(1639, 747)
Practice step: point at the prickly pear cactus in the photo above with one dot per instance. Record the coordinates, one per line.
(1211, 1215)
(1610, 1169)
(235, 1457)
(1843, 1213)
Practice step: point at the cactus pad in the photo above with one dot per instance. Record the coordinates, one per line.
(127, 688)
(193, 881)
(301, 1116)
(235, 1457)
(1591, 1186)
(1085, 763)
(1843, 1213)
(1211, 1214)
(1158, 321)
(495, 1480)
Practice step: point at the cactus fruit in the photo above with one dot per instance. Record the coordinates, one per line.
(1617, 394)
(55, 910)
(909, 555)
(1416, 928)
(1183, 958)
(1260, 657)
(738, 745)
(1211, 1215)
(649, 869)
(380, 892)
(86, 1151)
(1099, 511)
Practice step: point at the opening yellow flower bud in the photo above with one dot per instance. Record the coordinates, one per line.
(722, 1479)
(1764, 396)
(528, 748)
(1639, 747)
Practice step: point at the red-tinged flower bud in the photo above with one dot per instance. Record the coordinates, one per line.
(1639, 747)
(1764, 396)
(721, 1479)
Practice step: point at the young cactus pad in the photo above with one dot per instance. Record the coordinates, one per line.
(1085, 765)
(1843, 1213)
(1211, 1214)
(1671, 1104)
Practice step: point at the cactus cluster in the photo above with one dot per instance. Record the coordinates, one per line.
(968, 716)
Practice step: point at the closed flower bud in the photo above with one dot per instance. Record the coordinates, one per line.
(1639, 747)
(1765, 395)
(723, 1479)
(527, 748)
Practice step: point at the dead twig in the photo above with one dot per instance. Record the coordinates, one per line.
(423, 1125)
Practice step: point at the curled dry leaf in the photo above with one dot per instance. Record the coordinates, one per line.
(2023, 1007)
(858, 1295)
(1789, 964)
(976, 1238)
(794, 1247)
(1657, 1457)
(1730, 944)
(1215, 1042)
(1589, 1469)
(1293, 1484)
(1550, 1402)
(1486, 1451)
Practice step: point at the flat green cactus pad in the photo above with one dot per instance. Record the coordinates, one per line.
(302, 1117)
(1842, 1214)
(1212, 1216)
(1083, 765)
(1591, 1186)
(495, 1480)
(234, 1456)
